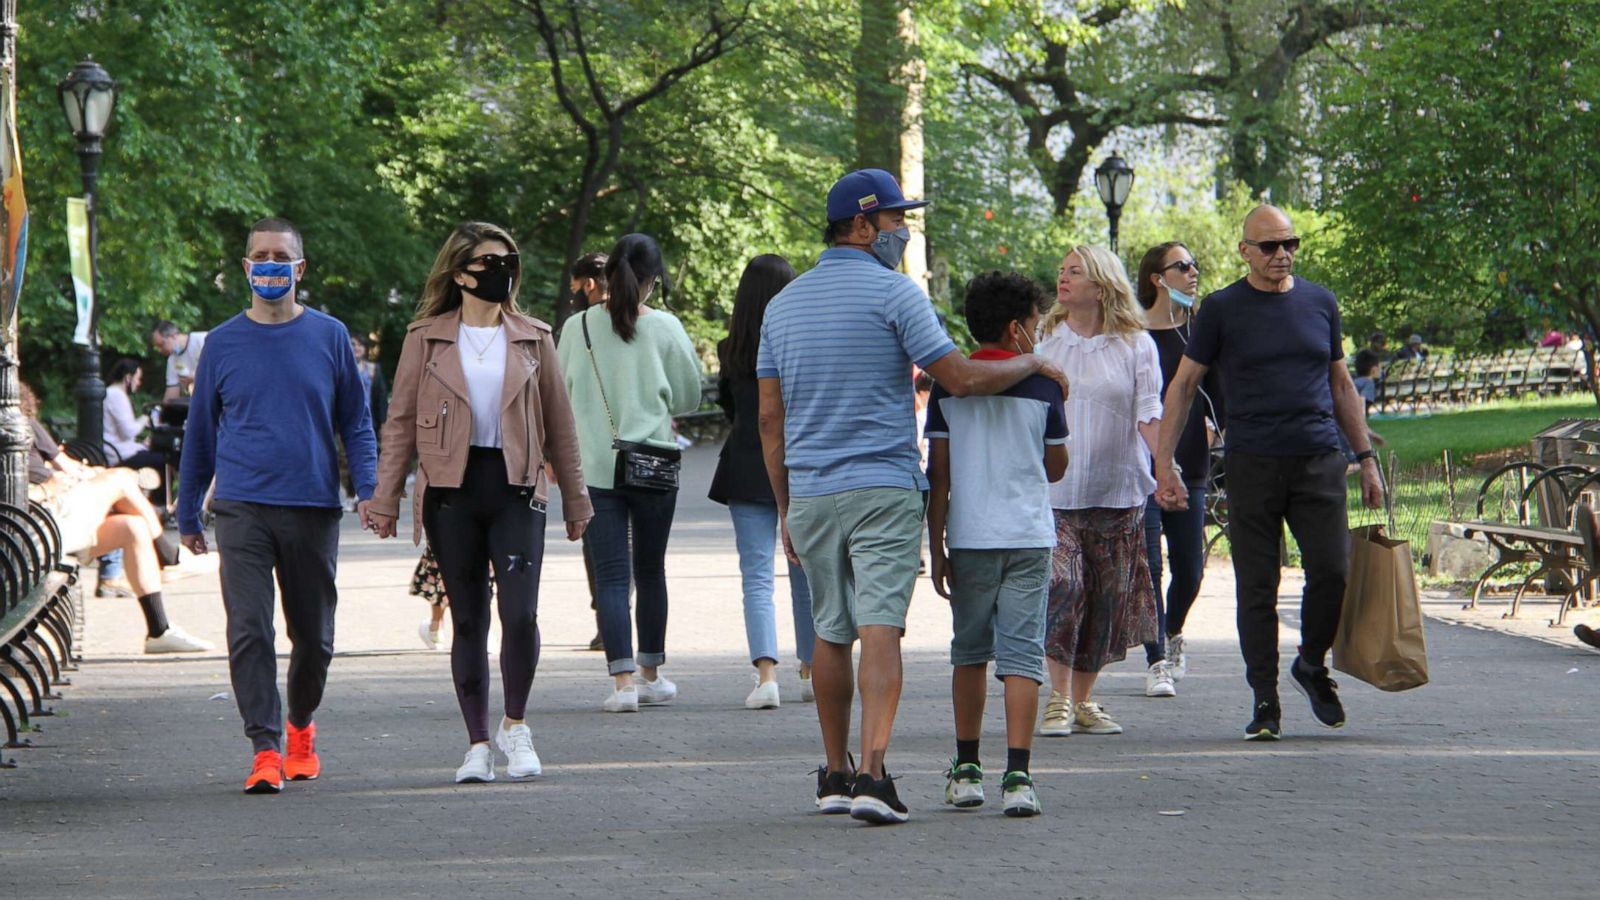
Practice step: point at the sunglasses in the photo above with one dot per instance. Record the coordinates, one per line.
(1183, 266)
(494, 262)
(1270, 248)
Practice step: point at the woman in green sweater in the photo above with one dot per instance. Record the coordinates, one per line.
(629, 370)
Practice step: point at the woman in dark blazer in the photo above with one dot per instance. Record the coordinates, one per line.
(741, 483)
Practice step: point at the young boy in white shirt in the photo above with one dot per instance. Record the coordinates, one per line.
(991, 460)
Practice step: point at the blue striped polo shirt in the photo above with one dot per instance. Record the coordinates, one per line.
(841, 340)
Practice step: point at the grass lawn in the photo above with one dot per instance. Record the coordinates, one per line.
(1481, 430)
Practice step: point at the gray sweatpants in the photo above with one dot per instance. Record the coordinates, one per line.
(301, 546)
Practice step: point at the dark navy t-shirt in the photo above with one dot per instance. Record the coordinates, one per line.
(1274, 350)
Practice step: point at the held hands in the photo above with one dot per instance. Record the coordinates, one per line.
(1371, 484)
(381, 525)
(1170, 492)
(194, 543)
(576, 529)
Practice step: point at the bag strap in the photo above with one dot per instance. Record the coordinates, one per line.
(583, 318)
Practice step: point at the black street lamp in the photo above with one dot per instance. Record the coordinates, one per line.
(88, 96)
(1114, 179)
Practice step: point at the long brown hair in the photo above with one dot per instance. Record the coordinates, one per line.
(1150, 265)
(440, 293)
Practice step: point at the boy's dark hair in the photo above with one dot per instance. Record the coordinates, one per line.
(996, 299)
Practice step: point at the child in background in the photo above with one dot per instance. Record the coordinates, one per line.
(991, 462)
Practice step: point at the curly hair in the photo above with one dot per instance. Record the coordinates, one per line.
(996, 299)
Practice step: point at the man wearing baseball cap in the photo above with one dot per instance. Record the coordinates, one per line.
(838, 428)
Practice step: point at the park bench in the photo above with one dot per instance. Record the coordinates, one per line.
(1422, 384)
(40, 618)
(708, 423)
(1535, 515)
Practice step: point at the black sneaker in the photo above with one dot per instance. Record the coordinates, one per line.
(875, 800)
(833, 791)
(1320, 690)
(1265, 727)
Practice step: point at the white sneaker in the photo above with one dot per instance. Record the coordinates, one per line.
(807, 695)
(478, 767)
(516, 743)
(430, 638)
(176, 640)
(623, 700)
(1177, 656)
(765, 696)
(656, 693)
(1158, 680)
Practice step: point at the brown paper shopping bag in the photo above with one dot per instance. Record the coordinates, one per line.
(1380, 632)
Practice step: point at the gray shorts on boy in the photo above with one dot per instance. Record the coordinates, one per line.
(998, 600)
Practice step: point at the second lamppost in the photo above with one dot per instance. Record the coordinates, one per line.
(88, 96)
(1114, 179)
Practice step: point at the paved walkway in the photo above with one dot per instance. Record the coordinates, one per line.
(1482, 784)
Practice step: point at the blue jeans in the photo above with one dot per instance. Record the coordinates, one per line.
(647, 518)
(1186, 550)
(111, 565)
(755, 525)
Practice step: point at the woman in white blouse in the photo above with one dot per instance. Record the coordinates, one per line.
(1101, 598)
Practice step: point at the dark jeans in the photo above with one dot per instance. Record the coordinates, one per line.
(648, 518)
(300, 544)
(488, 521)
(1307, 492)
(1186, 550)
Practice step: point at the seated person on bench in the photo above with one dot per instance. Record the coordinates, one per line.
(101, 510)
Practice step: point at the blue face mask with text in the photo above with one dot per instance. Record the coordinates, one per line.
(272, 281)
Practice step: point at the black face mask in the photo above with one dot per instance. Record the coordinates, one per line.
(495, 279)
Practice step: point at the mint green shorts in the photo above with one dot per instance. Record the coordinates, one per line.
(860, 550)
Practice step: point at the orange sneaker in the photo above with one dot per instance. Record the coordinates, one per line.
(266, 774)
(302, 764)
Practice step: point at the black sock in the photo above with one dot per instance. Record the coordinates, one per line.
(1017, 759)
(966, 752)
(155, 614)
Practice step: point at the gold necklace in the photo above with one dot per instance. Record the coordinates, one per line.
(484, 350)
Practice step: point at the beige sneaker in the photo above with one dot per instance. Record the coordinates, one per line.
(1057, 721)
(1089, 718)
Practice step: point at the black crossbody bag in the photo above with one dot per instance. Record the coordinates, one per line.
(640, 467)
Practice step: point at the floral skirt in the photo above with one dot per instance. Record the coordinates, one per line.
(426, 582)
(1101, 599)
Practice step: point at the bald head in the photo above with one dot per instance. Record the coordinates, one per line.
(1265, 222)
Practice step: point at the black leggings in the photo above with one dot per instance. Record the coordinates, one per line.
(488, 521)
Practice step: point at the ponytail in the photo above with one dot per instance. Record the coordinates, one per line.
(633, 262)
(623, 301)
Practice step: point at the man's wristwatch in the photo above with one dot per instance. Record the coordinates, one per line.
(1365, 455)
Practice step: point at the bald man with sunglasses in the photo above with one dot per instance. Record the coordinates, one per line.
(1278, 343)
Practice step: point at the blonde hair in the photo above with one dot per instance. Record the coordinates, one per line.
(440, 293)
(1123, 316)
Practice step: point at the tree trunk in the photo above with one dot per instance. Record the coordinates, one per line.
(913, 76)
(880, 99)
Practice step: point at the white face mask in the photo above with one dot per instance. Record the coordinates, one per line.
(1030, 341)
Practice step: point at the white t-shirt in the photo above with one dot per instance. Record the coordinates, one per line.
(1116, 384)
(186, 362)
(483, 358)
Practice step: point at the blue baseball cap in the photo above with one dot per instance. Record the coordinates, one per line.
(865, 191)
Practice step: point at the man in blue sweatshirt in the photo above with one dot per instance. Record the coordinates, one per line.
(274, 386)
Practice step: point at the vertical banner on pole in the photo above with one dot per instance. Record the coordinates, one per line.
(14, 222)
(82, 272)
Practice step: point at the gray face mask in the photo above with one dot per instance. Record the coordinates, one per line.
(890, 246)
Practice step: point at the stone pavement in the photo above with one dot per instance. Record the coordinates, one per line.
(1482, 784)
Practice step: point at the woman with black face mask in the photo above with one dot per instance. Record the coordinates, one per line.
(479, 398)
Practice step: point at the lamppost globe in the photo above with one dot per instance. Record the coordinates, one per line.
(1114, 180)
(88, 97)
